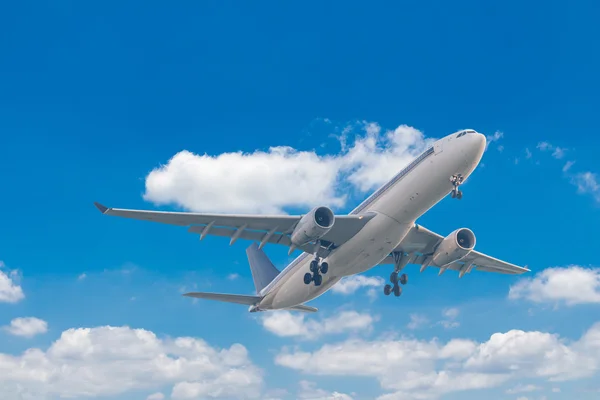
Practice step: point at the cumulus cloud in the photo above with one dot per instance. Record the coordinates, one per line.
(26, 327)
(269, 181)
(156, 396)
(287, 324)
(571, 285)
(432, 368)
(105, 361)
(309, 391)
(350, 284)
(10, 290)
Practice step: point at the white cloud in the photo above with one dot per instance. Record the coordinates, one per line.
(451, 313)
(571, 285)
(494, 138)
(417, 321)
(269, 181)
(156, 396)
(106, 361)
(350, 284)
(523, 389)
(26, 327)
(10, 291)
(81, 277)
(587, 182)
(288, 324)
(309, 391)
(432, 368)
(450, 322)
(233, 277)
(557, 152)
(544, 146)
(568, 165)
(528, 153)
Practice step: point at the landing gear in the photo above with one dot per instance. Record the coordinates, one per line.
(315, 272)
(400, 261)
(456, 181)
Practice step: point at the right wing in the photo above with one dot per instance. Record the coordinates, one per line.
(420, 243)
(268, 228)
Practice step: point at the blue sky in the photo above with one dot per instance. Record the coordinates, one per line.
(238, 107)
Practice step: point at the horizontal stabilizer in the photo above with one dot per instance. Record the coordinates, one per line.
(302, 307)
(228, 298)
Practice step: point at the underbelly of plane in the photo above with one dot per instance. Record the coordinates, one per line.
(371, 245)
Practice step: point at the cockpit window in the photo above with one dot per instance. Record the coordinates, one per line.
(463, 133)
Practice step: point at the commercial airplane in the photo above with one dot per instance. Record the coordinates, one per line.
(381, 230)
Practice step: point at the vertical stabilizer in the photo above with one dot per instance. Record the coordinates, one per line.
(263, 270)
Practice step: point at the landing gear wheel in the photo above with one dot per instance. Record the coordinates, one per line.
(308, 278)
(456, 180)
(318, 280)
(314, 266)
(394, 277)
(387, 289)
(324, 268)
(397, 291)
(403, 279)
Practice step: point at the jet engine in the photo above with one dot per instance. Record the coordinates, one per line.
(454, 247)
(313, 226)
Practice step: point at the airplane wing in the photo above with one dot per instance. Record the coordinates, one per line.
(420, 243)
(270, 228)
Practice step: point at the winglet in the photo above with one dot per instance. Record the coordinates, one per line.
(100, 207)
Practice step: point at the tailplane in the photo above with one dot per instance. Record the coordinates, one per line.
(263, 270)
(228, 298)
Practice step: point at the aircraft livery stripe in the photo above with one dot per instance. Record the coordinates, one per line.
(358, 209)
(395, 179)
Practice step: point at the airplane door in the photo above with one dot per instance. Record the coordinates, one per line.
(438, 146)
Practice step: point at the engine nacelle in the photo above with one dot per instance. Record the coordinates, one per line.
(313, 226)
(454, 247)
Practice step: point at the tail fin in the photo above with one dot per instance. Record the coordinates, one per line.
(263, 270)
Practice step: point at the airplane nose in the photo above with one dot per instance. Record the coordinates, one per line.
(478, 143)
(481, 140)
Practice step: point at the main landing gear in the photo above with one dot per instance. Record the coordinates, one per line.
(457, 180)
(395, 279)
(316, 270)
(400, 261)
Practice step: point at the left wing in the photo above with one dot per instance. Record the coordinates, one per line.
(262, 228)
(420, 243)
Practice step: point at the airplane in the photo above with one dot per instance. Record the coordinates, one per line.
(381, 230)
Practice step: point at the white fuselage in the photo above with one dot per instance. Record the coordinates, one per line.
(397, 205)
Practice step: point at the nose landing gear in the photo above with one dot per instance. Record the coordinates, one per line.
(457, 180)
